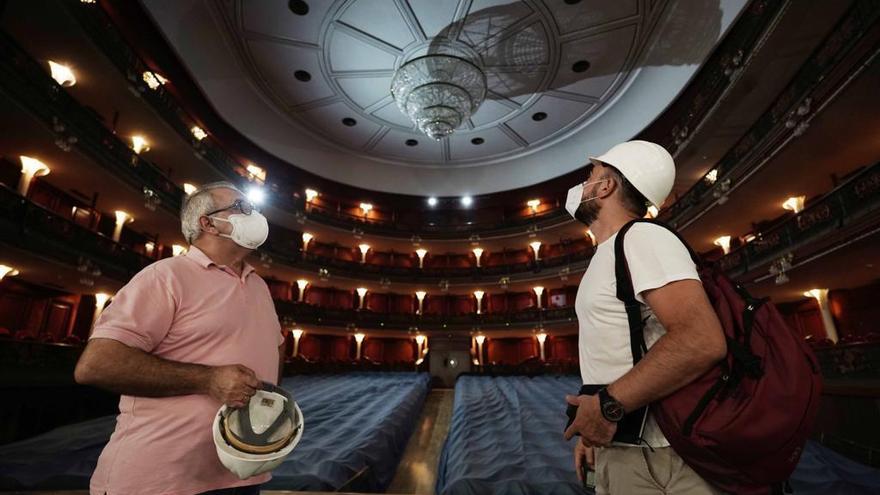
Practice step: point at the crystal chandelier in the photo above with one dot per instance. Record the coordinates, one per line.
(438, 92)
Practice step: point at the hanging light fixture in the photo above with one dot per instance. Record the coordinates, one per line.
(439, 92)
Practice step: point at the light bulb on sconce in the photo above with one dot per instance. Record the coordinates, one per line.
(301, 284)
(307, 237)
(364, 248)
(478, 252)
(536, 247)
(724, 243)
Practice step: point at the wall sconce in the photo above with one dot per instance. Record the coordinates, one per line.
(538, 291)
(122, 218)
(301, 284)
(153, 80)
(480, 339)
(139, 144)
(534, 204)
(821, 296)
(311, 194)
(420, 339)
(306, 239)
(149, 248)
(536, 247)
(189, 188)
(366, 208)
(724, 242)
(7, 271)
(420, 296)
(542, 337)
(100, 300)
(31, 168)
(198, 133)
(62, 74)
(255, 173)
(177, 249)
(361, 292)
(364, 248)
(359, 338)
(479, 295)
(711, 176)
(421, 252)
(477, 253)
(297, 334)
(795, 204)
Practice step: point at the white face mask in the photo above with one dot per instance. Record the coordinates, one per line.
(248, 231)
(575, 197)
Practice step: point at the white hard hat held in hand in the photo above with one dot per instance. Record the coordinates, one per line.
(256, 438)
(647, 166)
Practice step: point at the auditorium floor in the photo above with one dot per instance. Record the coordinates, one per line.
(417, 471)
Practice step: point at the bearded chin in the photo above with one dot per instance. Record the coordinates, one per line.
(587, 213)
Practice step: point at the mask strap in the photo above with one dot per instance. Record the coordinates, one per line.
(587, 184)
(221, 234)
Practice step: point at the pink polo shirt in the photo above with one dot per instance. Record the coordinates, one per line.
(185, 309)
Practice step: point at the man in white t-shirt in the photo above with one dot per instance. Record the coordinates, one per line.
(682, 331)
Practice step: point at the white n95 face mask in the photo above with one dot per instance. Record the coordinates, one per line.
(575, 199)
(248, 231)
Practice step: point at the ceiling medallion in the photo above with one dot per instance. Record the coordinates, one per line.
(439, 92)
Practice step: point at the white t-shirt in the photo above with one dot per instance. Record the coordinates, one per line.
(656, 258)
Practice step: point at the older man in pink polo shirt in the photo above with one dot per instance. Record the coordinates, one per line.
(184, 336)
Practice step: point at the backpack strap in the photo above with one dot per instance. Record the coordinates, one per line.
(625, 291)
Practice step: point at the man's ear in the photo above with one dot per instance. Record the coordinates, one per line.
(207, 225)
(607, 187)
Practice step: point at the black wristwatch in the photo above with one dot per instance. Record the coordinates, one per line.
(612, 409)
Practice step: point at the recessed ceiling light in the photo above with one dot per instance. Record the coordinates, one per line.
(580, 66)
(432, 201)
(412, 142)
(302, 75)
(467, 201)
(298, 7)
(477, 141)
(537, 117)
(350, 122)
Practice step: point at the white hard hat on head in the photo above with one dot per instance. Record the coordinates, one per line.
(647, 166)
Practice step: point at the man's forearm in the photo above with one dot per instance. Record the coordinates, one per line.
(675, 360)
(114, 366)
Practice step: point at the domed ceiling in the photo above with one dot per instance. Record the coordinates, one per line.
(310, 81)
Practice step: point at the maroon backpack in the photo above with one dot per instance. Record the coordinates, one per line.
(743, 424)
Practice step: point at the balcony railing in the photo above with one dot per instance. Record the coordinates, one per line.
(35, 229)
(847, 204)
(74, 125)
(300, 313)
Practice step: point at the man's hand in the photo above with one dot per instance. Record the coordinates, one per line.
(233, 385)
(595, 430)
(583, 455)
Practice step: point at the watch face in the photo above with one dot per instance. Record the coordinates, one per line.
(613, 411)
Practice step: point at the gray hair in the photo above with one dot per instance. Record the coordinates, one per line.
(197, 204)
